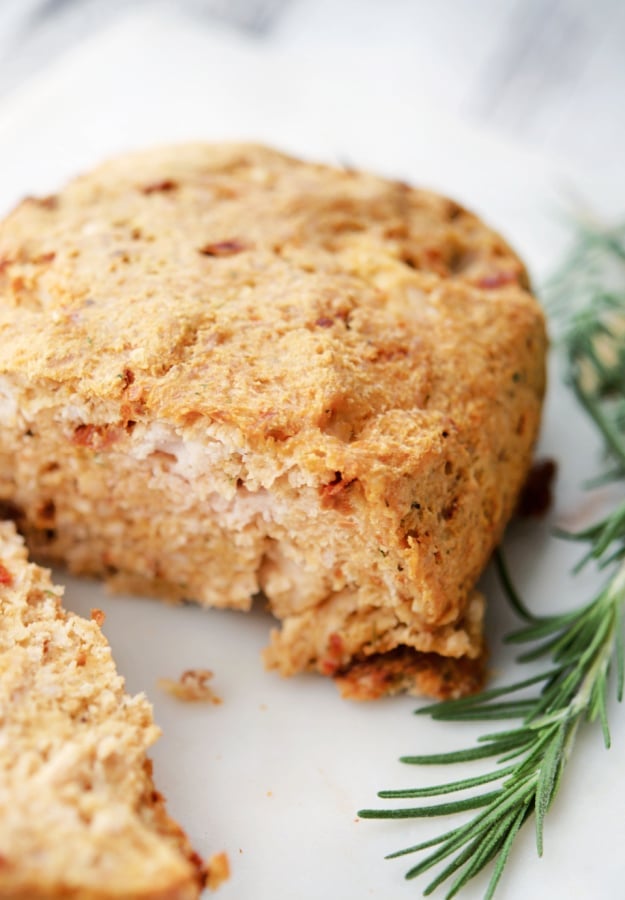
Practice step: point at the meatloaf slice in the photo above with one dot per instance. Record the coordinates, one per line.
(79, 814)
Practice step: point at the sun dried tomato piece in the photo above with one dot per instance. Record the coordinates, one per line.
(160, 187)
(223, 248)
(44, 258)
(537, 494)
(49, 202)
(96, 437)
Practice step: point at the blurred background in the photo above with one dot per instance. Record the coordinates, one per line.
(549, 74)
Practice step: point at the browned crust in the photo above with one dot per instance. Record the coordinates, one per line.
(407, 670)
(170, 829)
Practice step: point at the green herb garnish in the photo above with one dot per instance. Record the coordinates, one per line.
(581, 648)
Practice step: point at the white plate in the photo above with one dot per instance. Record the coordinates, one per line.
(274, 775)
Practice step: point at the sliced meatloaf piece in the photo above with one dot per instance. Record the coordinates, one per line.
(79, 813)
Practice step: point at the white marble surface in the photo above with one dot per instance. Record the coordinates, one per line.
(549, 74)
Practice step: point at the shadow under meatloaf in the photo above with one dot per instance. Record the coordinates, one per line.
(231, 372)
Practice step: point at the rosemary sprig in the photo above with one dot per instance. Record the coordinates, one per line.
(587, 302)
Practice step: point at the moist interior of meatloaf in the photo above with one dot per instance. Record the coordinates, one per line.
(303, 548)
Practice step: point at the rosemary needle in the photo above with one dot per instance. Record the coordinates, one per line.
(587, 300)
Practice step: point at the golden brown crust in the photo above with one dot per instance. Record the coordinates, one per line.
(79, 814)
(407, 670)
(322, 384)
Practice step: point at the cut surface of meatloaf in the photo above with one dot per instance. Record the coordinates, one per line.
(79, 814)
(226, 371)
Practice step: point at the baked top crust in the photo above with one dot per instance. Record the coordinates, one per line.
(339, 330)
(250, 288)
(79, 814)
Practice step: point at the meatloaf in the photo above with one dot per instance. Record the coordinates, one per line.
(79, 814)
(227, 373)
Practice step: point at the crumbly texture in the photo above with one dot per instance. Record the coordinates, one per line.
(192, 687)
(79, 814)
(228, 372)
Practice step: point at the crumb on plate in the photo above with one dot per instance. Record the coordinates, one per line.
(218, 870)
(192, 687)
